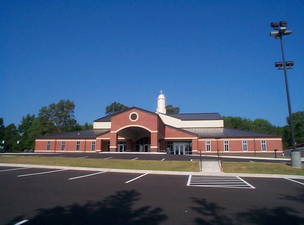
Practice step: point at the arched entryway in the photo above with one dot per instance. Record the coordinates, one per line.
(137, 139)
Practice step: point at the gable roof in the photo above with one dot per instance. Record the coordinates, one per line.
(181, 116)
(197, 116)
(104, 119)
(82, 134)
(108, 117)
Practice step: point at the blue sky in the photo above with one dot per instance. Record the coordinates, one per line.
(206, 56)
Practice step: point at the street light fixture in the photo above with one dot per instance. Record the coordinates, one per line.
(280, 30)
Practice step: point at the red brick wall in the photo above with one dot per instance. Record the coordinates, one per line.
(236, 145)
(70, 145)
(161, 127)
(145, 119)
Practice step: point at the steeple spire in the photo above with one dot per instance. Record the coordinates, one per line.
(161, 104)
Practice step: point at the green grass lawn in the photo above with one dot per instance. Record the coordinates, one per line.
(261, 168)
(186, 166)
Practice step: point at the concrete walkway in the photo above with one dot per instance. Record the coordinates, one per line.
(211, 166)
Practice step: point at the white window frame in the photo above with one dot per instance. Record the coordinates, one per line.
(245, 146)
(208, 146)
(263, 146)
(48, 146)
(62, 146)
(226, 146)
(77, 145)
(93, 146)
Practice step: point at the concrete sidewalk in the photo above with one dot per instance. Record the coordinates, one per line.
(211, 166)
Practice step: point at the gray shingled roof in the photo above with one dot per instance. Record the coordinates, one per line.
(104, 119)
(210, 132)
(77, 134)
(181, 116)
(221, 132)
(197, 116)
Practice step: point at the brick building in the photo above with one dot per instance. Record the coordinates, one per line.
(139, 130)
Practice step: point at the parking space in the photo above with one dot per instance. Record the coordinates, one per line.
(298, 181)
(181, 199)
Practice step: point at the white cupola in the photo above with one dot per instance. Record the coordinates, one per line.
(161, 104)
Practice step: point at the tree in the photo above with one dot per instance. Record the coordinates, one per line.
(25, 141)
(263, 126)
(58, 118)
(62, 115)
(286, 137)
(45, 122)
(238, 123)
(87, 126)
(172, 110)
(2, 133)
(2, 129)
(298, 127)
(37, 129)
(11, 137)
(115, 107)
(258, 125)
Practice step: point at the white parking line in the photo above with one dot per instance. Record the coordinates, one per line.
(34, 174)
(21, 222)
(246, 182)
(135, 158)
(88, 175)
(189, 180)
(298, 182)
(129, 181)
(23, 168)
(108, 158)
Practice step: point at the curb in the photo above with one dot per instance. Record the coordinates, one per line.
(154, 171)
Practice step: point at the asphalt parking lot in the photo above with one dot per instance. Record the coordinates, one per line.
(53, 196)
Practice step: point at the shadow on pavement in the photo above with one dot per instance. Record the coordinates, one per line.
(298, 199)
(115, 209)
(211, 213)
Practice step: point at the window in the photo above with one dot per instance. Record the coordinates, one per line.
(93, 146)
(245, 146)
(177, 147)
(77, 145)
(208, 146)
(133, 116)
(226, 146)
(263, 142)
(48, 146)
(62, 145)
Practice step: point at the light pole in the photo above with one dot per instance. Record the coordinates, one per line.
(280, 30)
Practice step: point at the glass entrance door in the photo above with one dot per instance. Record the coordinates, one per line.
(179, 149)
(146, 148)
(121, 147)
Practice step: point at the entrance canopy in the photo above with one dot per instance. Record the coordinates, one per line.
(134, 133)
